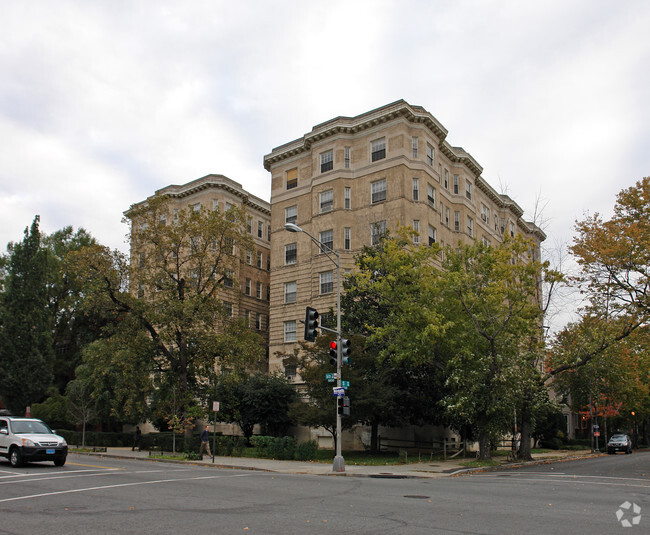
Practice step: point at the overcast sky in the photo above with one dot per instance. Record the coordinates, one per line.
(102, 102)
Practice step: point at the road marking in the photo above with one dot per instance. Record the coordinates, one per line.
(95, 466)
(88, 489)
(32, 474)
(576, 480)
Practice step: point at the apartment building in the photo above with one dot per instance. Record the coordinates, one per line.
(246, 292)
(352, 178)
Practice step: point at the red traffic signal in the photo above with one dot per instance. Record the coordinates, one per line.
(333, 353)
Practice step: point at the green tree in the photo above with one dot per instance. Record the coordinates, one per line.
(248, 400)
(166, 303)
(26, 354)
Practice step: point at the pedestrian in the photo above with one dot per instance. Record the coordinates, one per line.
(137, 438)
(205, 441)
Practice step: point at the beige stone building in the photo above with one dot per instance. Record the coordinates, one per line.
(246, 292)
(351, 178)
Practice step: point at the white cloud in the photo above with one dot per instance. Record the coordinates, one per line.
(102, 103)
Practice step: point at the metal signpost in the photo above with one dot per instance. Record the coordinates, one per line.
(215, 409)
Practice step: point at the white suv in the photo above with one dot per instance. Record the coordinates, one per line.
(28, 439)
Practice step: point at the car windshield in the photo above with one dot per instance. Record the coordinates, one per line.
(618, 437)
(29, 426)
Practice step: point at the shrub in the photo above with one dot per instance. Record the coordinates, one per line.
(306, 451)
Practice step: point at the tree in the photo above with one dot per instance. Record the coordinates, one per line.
(248, 400)
(26, 354)
(166, 303)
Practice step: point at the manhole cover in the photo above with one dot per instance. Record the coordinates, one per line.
(417, 497)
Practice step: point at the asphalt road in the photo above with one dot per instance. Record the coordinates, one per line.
(93, 495)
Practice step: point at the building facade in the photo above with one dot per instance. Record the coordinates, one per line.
(246, 293)
(352, 178)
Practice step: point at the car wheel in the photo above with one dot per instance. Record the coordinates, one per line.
(15, 458)
(59, 462)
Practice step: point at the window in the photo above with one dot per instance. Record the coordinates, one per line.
(416, 189)
(327, 201)
(259, 321)
(378, 149)
(512, 230)
(326, 161)
(249, 224)
(457, 221)
(260, 259)
(446, 183)
(268, 263)
(290, 254)
(268, 232)
(196, 207)
(485, 214)
(430, 155)
(327, 238)
(485, 241)
(227, 309)
(431, 195)
(260, 229)
(432, 235)
(503, 226)
(414, 144)
(378, 191)
(291, 214)
(447, 216)
(249, 256)
(248, 287)
(259, 290)
(290, 292)
(141, 259)
(377, 232)
(228, 277)
(470, 226)
(290, 331)
(456, 182)
(468, 189)
(346, 157)
(416, 228)
(347, 197)
(215, 205)
(292, 178)
(346, 239)
(327, 282)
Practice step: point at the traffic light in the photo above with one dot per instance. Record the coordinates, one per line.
(345, 351)
(343, 405)
(333, 356)
(311, 324)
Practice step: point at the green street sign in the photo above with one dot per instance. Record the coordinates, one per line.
(345, 384)
(331, 377)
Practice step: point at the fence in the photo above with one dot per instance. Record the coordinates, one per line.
(444, 447)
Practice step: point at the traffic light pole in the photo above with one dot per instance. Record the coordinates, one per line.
(339, 462)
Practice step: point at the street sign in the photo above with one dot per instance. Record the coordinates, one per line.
(597, 434)
(339, 392)
(215, 406)
(345, 384)
(331, 377)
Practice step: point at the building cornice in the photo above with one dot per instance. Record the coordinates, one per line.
(211, 182)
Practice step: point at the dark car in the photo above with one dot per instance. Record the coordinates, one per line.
(29, 439)
(619, 442)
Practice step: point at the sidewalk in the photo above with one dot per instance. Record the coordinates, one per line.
(429, 469)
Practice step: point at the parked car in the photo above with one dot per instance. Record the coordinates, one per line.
(619, 442)
(28, 439)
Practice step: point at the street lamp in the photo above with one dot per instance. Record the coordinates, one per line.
(339, 462)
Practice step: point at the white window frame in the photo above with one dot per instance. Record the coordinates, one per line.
(470, 226)
(378, 191)
(431, 154)
(377, 231)
(347, 197)
(290, 331)
(327, 237)
(378, 150)
(416, 228)
(346, 157)
(327, 161)
(288, 248)
(347, 238)
(416, 189)
(290, 291)
(326, 282)
(326, 201)
(414, 147)
(433, 235)
(431, 195)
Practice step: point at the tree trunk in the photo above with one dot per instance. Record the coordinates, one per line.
(485, 453)
(374, 437)
(524, 445)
